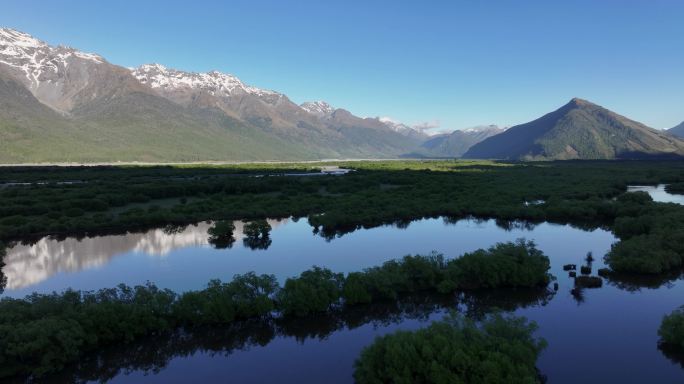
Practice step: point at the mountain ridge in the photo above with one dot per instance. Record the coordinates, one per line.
(677, 130)
(61, 104)
(164, 114)
(578, 130)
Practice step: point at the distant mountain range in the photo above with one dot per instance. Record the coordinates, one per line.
(579, 130)
(58, 104)
(677, 131)
(456, 143)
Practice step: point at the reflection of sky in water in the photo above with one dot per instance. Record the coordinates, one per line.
(185, 261)
(658, 193)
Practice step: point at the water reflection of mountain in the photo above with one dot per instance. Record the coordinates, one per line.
(29, 264)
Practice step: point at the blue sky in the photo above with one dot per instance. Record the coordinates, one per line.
(459, 63)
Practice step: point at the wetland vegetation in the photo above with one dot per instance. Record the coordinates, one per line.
(44, 333)
(71, 200)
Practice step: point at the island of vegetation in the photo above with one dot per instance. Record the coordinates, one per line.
(456, 350)
(671, 330)
(42, 333)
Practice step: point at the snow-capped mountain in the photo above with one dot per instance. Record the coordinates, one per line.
(62, 104)
(60, 77)
(215, 83)
(403, 129)
(484, 128)
(318, 108)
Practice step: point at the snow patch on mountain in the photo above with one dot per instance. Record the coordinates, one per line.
(37, 61)
(215, 83)
(402, 128)
(318, 108)
(482, 128)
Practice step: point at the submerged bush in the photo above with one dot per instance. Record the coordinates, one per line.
(457, 350)
(671, 330)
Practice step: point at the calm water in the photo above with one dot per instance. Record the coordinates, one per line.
(657, 193)
(606, 335)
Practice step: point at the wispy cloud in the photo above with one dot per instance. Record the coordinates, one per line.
(426, 125)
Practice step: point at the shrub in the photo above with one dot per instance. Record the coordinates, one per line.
(457, 350)
(257, 229)
(42, 333)
(221, 234)
(645, 254)
(671, 329)
(247, 296)
(315, 290)
(257, 235)
(518, 264)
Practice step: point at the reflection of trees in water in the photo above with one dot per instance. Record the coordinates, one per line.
(221, 234)
(222, 242)
(673, 353)
(479, 303)
(3, 278)
(32, 261)
(635, 283)
(336, 230)
(578, 294)
(257, 235)
(511, 225)
(257, 243)
(154, 353)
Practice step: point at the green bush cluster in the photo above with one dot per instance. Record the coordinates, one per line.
(221, 234)
(246, 296)
(518, 265)
(456, 350)
(671, 330)
(675, 188)
(257, 234)
(652, 241)
(315, 290)
(41, 333)
(257, 229)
